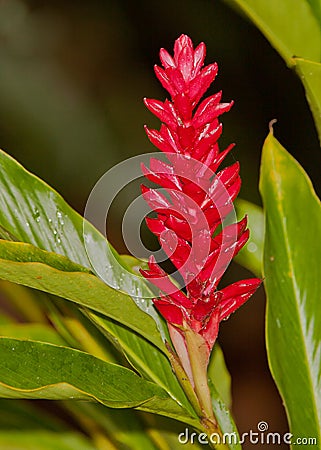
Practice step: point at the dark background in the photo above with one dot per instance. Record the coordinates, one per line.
(72, 79)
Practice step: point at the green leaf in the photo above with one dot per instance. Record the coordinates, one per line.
(220, 386)
(291, 26)
(43, 440)
(310, 74)
(36, 370)
(148, 360)
(251, 256)
(43, 219)
(316, 8)
(292, 273)
(89, 291)
(34, 213)
(220, 376)
(49, 272)
(225, 420)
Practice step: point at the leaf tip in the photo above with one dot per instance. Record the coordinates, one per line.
(271, 123)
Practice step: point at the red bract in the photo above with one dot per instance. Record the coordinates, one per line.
(195, 202)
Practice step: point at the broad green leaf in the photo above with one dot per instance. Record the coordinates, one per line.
(251, 256)
(87, 290)
(36, 370)
(316, 8)
(310, 74)
(25, 264)
(33, 331)
(32, 212)
(291, 26)
(43, 440)
(148, 360)
(292, 272)
(43, 219)
(220, 376)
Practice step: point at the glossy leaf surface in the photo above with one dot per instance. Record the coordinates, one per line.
(148, 360)
(219, 375)
(310, 75)
(30, 266)
(225, 421)
(292, 272)
(37, 370)
(34, 213)
(291, 26)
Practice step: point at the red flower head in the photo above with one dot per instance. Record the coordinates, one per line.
(198, 199)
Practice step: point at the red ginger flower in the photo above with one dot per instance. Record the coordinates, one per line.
(198, 201)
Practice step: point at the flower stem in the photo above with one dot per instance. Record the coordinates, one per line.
(183, 380)
(199, 354)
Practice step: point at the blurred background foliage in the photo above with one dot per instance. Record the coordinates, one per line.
(72, 79)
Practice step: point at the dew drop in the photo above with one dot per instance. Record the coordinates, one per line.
(60, 218)
(36, 215)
